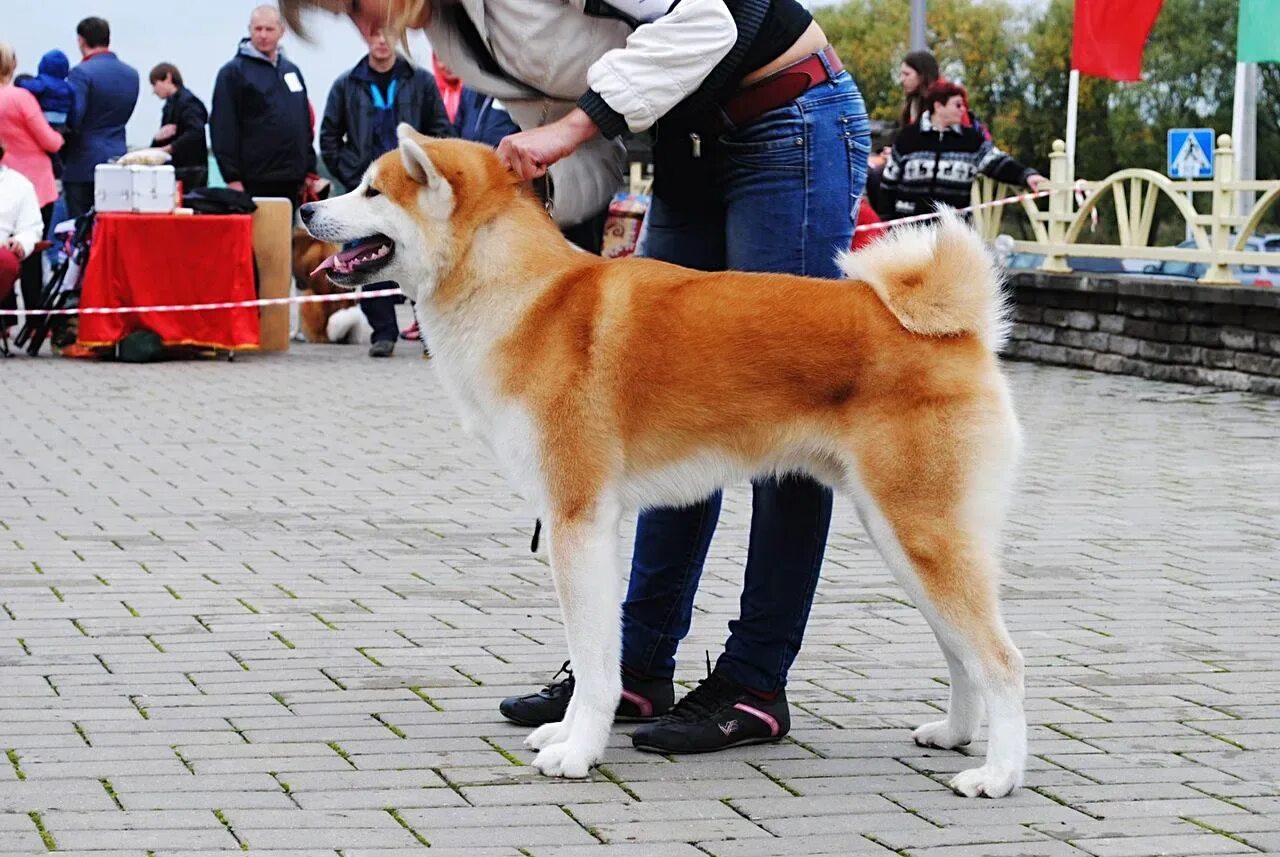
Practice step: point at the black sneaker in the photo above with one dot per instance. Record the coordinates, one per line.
(642, 700)
(717, 714)
(385, 348)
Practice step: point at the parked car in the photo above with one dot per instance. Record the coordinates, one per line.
(1248, 275)
(1086, 264)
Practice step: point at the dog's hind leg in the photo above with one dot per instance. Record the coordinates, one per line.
(934, 508)
(588, 578)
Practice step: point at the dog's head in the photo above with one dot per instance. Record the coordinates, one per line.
(413, 214)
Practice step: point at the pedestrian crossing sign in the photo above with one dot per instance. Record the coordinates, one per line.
(1190, 153)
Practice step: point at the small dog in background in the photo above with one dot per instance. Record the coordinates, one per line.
(340, 322)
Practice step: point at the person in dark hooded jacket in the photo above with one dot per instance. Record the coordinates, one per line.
(365, 106)
(260, 124)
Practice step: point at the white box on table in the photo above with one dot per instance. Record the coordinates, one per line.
(153, 189)
(112, 188)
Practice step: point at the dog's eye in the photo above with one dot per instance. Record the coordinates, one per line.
(370, 192)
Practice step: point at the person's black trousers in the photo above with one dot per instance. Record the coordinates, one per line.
(381, 313)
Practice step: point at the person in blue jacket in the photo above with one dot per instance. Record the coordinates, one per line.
(50, 87)
(261, 123)
(106, 92)
(365, 105)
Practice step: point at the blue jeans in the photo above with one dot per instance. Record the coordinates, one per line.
(786, 195)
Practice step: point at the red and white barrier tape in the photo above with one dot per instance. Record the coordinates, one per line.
(296, 299)
(347, 296)
(934, 215)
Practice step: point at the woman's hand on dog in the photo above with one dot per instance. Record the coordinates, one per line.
(529, 153)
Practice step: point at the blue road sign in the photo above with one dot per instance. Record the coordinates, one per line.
(1190, 153)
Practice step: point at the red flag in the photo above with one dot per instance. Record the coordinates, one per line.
(1110, 35)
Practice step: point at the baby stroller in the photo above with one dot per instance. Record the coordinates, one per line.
(62, 291)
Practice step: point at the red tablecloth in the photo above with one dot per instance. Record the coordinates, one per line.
(154, 259)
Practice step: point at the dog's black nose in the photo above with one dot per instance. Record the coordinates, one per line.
(307, 211)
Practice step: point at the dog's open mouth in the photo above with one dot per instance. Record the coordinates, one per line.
(351, 266)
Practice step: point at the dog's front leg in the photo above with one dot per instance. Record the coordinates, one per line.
(584, 562)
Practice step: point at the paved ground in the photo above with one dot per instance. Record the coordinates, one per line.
(270, 606)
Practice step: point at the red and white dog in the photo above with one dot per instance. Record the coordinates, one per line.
(603, 386)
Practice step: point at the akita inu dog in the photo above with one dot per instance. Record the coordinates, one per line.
(602, 386)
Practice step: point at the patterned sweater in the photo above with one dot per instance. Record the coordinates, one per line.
(928, 167)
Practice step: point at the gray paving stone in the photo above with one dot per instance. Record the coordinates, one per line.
(283, 606)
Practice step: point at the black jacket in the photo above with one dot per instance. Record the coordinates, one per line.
(188, 148)
(261, 120)
(927, 166)
(348, 141)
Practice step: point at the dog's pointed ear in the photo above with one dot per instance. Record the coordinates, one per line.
(416, 161)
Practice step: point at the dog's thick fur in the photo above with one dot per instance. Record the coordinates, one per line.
(608, 385)
(324, 321)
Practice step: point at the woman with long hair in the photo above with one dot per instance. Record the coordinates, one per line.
(918, 72)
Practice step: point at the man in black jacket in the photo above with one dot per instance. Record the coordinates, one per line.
(182, 127)
(365, 106)
(261, 121)
(935, 160)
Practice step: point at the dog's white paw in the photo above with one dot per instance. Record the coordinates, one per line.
(565, 760)
(987, 781)
(546, 735)
(940, 734)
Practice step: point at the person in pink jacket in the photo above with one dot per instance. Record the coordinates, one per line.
(28, 141)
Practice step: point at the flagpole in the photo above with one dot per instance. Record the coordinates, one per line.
(1244, 129)
(1073, 98)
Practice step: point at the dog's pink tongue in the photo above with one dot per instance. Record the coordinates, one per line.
(326, 264)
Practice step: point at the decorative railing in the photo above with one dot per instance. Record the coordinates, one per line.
(1057, 225)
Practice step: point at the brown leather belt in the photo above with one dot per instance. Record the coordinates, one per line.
(782, 87)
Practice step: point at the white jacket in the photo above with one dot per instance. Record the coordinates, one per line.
(551, 52)
(19, 210)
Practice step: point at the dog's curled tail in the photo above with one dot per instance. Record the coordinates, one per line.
(938, 280)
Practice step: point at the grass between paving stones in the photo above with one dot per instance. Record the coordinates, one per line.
(80, 731)
(56, 594)
(335, 747)
(133, 700)
(169, 589)
(395, 813)
(25, 648)
(111, 792)
(590, 828)
(50, 843)
(477, 682)
(613, 778)
(325, 622)
(246, 605)
(152, 640)
(777, 781)
(1218, 830)
(288, 644)
(186, 763)
(222, 817)
(365, 653)
(14, 759)
(503, 752)
(417, 691)
(395, 730)
(287, 592)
